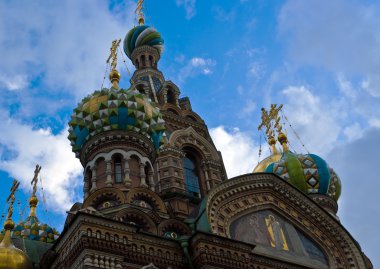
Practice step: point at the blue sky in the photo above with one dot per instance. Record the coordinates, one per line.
(321, 59)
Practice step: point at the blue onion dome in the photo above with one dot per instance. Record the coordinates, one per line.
(142, 35)
(32, 229)
(115, 109)
(308, 172)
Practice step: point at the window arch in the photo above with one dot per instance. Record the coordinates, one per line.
(150, 61)
(143, 63)
(191, 175)
(170, 97)
(117, 168)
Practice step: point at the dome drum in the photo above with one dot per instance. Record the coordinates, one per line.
(144, 57)
(107, 141)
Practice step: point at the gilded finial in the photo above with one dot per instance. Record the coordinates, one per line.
(114, 74)
(281, 137)
(11, 201)
(33, 201)
(139, 12)
(9, 224)
(266, 120)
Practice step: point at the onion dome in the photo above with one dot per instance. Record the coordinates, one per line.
(32, 229)
(274, 157)
(142, 35)
(115, 109)
(10, 256)
(308, 172)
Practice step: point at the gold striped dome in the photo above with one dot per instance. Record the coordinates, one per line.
(10, 256)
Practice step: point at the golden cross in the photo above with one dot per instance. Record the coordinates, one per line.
(139, 12)
(266, 121)
(11, 198)
(273, 113)
(35, 179)
(113, 53)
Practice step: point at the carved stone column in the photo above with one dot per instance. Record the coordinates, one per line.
(142, 175)
(86, 185)
(93, 179)
(205, 171)
(109, 173)
(127, 179)
(151, 181)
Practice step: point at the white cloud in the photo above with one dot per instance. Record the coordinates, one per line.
(239, 151)
(316, 122)
(195, 66)
(14, 83)
(353, 132)
(341, 36)
(63, 45)
(189, 6)
(22, 147)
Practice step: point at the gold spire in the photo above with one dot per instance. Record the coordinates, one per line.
(266, 120)
(10, 256)
(114, 74)
(281, 137)
(139, 12)
(9, 224)
(33, 201)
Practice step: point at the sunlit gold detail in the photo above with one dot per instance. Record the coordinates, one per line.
(284, 141)
(114, 74)
(11, 198)
(33, 201)
(277, 236)
(139, 12)
(10, 256)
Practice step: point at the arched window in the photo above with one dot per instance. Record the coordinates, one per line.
(191, 175)
(150, 61)
(170, 97)
(143, 63)
(117, 169)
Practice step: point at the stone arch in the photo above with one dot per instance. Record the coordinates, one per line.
(126, 155)
(191, 114)
(183, 137)
(254, 192)
(137, 217)
(171, 107)
(148, 194)
(173, 225)
(103, 195)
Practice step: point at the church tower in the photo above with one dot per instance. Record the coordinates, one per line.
(156, 194)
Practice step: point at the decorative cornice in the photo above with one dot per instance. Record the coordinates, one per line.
(307, 214)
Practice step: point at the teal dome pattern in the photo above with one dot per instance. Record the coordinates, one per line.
(308, 172)
(142, 35)
(115, 109)
(32, 229)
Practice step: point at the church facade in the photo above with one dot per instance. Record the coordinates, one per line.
(156, 193)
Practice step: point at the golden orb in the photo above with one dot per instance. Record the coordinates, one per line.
(282, 138)
(114, 75)
(33, 201)
(9, 224)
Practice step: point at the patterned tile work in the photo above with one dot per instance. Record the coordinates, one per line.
(115, 109)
